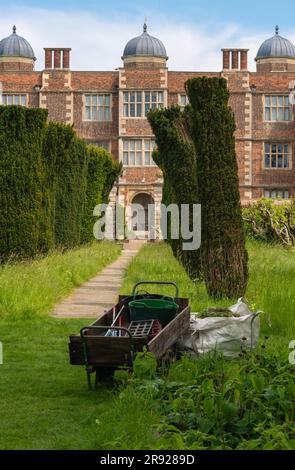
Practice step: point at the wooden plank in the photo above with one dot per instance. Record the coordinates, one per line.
(103, 350)
(169, 335)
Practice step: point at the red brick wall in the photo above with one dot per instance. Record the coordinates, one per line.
(95, 81)
(143, 79)
(176, 80)
(56, 105)
(16, 66)
(20, 81)
(94, 129)
(138, 174)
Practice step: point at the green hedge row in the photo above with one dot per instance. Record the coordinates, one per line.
(50, 182)
(271, 221)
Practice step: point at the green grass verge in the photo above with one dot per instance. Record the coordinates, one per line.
(30, 289)
(271, 286)
(45, 403)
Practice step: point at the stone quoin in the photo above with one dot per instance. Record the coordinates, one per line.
(108, 109)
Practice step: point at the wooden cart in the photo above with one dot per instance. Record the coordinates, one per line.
(101, 352)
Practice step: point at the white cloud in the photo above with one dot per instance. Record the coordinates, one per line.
(97, 43)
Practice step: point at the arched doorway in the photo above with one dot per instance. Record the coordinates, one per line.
(141, 218)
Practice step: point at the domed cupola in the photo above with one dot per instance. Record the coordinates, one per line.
(145, 49)
(276, 54)
(16, 53)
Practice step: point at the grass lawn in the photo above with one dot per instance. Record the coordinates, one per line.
(271, 286)
(45, 403)
(30, 289)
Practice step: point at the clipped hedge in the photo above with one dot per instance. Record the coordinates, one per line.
(271, 221)
(24, 207)
(223, 252)
(50, 183)
(176, 156)
(101, 175)
(67, 164)
(196, 151)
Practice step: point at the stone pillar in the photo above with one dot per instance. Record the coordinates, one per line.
(157, 201)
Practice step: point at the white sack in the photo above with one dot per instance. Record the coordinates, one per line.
(224, 334)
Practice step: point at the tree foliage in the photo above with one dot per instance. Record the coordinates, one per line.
(224, 256)
(68, 162)
(196, 151)
(176, 156)
(24, 218)
(50, 183)
(101, 175)
(271, 222)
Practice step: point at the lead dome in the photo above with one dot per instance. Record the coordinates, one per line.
(276, 47)
(16, 46)
(145, 45)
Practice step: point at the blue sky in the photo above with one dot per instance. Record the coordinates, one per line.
(192, 31)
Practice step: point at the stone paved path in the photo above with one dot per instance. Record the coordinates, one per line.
(100, 293)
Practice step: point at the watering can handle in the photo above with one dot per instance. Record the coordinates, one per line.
(163, 283)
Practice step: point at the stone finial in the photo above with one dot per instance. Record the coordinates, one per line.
(277, 29)
(14, 29)
(145, 26)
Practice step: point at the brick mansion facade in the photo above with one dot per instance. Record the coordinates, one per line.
(109, 108)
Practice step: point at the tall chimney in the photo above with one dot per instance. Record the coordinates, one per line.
(66, 58)
(244, 59)
(57, 58)
(61, 57)
(226, 59)
(48, 58)
(235, 59)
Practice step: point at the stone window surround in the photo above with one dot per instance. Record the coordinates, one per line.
(14, 93)
(179, 100)
(289, 155)
(264, 107)
(142, 150)
(97, 94)
(285, 192)
(165, 101)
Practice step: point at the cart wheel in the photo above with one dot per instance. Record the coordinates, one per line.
(104, 375)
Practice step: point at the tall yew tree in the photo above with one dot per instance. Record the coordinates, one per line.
(176, 157)
(223, 253)
(67, 160)
(25, 226)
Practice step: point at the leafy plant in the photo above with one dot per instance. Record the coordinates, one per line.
(248, 403)
(270, 221)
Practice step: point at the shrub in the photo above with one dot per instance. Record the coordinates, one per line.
(176, 156)
(50, 182)
(196, 151)
(67, 159)
(223, 252)
(271, 222)
(101, 174)
(25, 220)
